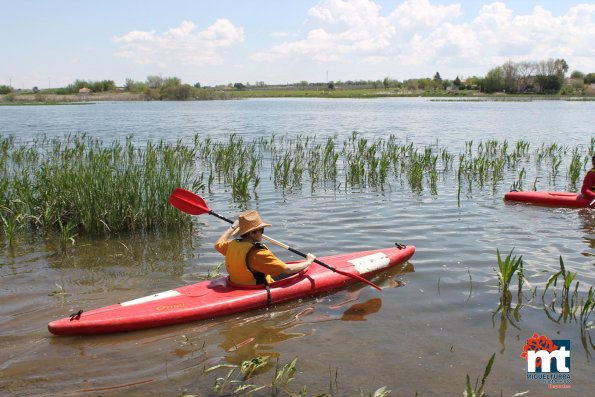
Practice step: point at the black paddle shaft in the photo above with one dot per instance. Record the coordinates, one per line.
(299, 253)
(321, 263)
(221, 217)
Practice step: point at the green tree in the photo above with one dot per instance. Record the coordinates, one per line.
(427, 84)
(437, 78)
(411, 84)
(577, 75)
(177, 92)
(102, 86)
(5, 89)
(494, 80)
(562, 68)
(154, 81)
(135, 86)
(510, 77)
(473, 83)
(171, 82)
(589, 78)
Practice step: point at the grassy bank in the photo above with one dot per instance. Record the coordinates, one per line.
(227, 93)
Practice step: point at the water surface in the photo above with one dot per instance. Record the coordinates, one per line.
(434, 323)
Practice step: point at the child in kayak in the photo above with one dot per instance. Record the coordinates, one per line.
(588, 189)
(248, 261)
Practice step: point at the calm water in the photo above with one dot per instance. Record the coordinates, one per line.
(432, 325)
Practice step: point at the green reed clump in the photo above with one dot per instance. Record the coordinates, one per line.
(518, 184)
(576, 167)
(587, 307)
(122, 186)
(567, 299)
(233, 163)
(507, 268)
(81, 185)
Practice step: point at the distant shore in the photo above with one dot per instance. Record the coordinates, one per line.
(228, 94)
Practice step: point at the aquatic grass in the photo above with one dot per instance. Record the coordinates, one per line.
(507, 268)
(10, 224)
(575, 168)
(478, 390)
(556, 161)
(113, 187)
(587, 307)
(78, 180)
(568, 309)
(283, 377)
(232, 383)
(67, 234)
(567, 278)
(249, 367)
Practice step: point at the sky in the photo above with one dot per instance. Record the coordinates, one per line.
(52, 43)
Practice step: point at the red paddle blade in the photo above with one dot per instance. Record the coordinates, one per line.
(188, 202)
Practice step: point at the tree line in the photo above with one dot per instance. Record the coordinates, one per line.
(544, 77)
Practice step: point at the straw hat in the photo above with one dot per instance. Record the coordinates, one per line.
(249, 221)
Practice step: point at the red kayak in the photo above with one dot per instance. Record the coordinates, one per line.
(217, 297)
(555, 199)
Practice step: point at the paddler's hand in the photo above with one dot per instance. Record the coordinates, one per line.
(310, 258)
(234, 226)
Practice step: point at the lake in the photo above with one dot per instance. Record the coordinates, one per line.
(435, 322)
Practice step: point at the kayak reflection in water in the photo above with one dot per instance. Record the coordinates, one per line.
(588, 189)
(247, 260)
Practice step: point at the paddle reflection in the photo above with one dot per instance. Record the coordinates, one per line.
(359, 311)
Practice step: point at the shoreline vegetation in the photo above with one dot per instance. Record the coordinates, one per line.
(24, 99)
(533, 80)
(79, 185)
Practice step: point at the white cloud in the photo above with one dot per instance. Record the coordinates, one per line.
(418, 32)
(181, 44)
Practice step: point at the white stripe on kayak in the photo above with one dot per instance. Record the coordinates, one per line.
(370, 263)
(161, 295)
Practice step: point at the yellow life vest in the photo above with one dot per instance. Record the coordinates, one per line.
(237, 268)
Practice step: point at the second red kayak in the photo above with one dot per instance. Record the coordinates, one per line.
(554, 199)
(217, 297)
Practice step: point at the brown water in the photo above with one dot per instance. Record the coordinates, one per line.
(435, 321)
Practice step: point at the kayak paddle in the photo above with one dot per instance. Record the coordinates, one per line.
(193, 204)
